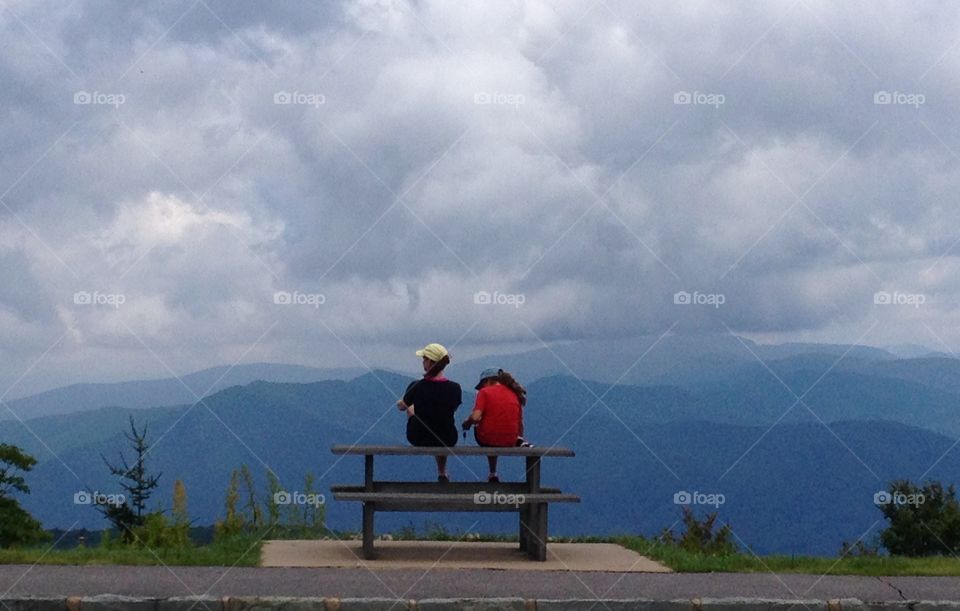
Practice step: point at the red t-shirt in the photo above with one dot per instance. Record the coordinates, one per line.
(502, 414)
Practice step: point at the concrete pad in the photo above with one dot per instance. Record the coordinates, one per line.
(606, 557)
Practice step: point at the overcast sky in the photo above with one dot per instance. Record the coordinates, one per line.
(172, 173)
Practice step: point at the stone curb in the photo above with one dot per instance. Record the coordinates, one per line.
(111, 602)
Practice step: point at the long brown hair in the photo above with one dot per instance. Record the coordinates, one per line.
(510, 382)
(438, 367)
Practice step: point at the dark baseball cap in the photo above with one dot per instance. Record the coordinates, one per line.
(489, 372)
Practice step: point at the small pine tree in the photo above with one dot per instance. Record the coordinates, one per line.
(137, 483)
(313, 513)
(253, 513)
(233, 523)
(294, 522)
(181, 518)
(270, 503)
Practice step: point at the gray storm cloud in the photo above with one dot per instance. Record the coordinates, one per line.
(389, 163)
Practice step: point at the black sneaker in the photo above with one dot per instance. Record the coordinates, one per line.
(445, 479)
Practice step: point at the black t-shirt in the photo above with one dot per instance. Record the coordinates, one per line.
(434, 403)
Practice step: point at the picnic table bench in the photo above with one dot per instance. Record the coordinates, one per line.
(528, 498)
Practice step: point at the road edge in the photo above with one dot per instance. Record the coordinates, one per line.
(110, 602)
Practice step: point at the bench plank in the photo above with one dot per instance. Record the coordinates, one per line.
(378, 450)
(454, 499)
(532, 511)
(404, 507)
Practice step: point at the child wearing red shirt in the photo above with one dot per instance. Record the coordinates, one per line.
(497, 413)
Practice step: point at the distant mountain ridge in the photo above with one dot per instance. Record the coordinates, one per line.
(165, 391)
(703, 413)
(635, 450)
(673, 359)
(649, 359)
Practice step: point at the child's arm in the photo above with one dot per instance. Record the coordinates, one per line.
(474, 417)
(406, 403)
(477, 414)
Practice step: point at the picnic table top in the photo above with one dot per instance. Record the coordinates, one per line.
(382, 450)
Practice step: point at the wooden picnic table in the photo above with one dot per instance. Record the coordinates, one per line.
(528, 498)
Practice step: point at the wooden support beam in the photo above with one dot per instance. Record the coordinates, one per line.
(368, 510)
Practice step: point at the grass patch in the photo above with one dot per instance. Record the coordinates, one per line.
(239, 551)
(684, 561)
(245, 551)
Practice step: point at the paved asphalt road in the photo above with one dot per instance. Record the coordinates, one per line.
(22, 580)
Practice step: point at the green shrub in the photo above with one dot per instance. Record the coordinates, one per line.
(924, 521)
(17, 527)
(858, 549)
(698, 536)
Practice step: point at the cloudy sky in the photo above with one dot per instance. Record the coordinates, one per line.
(203, 182)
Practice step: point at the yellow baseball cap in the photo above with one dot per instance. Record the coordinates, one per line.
(434, 352)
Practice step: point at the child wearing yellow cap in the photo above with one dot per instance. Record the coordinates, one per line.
(430, 404)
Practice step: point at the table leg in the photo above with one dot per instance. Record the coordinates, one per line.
(541, 530)
(531, 540)
(533, 474)
(530, 518)
(368, 472)
(368, 530)
(524, 526)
